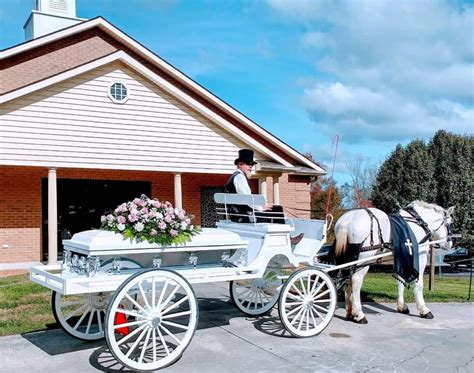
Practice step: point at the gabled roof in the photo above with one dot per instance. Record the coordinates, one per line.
(163, 65)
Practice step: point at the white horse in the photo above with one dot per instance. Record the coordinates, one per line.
(433, 223)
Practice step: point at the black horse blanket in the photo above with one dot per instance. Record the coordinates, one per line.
(406, 265)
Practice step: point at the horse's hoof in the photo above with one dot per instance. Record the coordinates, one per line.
(361, 321)
(428, 315)
(404, 310)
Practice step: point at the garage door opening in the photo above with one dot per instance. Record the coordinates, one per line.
(82, 202)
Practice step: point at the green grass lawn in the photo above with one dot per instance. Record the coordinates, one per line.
(26, 307)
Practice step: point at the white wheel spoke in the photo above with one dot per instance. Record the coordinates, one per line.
(131, 323)
(130, 335)
(170, 334)
(135, 344)
(176, 325)
(325, 310)
(322, 301)
(138, 305)
(296, 309)
(99, 321)
(294, 297)
(131, 313)
(297, 315)
(241, 295)
(163, 291)
(174, 305)
(142, 292)
(303, 288)
(153, 286)
(163, 305)
(255, 300)
(312, 317)
(293, 303)
(177, 314)
(89, 322)
(163, 341)
(153, 340)
(301, 319)
(317, 313)
(315, 283)
(307, 319)
(145, 344)
(322, 294)
(297, 290)
(76, 312)
(82, 318)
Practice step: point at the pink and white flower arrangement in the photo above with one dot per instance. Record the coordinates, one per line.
(146, 219)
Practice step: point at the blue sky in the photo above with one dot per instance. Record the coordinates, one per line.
(376, 73)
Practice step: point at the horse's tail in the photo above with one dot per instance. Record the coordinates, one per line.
(341, 232)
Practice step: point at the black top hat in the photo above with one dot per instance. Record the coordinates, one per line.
(246, 156)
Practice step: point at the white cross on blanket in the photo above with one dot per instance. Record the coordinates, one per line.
(409, 245)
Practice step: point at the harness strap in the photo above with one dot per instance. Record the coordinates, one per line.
(418, 220)
(372, 217)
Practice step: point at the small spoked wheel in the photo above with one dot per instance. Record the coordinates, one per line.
(82, 315)
(151, 319)
(307, 302)
(256, 297)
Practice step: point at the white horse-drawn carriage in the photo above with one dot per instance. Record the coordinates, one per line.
(139, 295)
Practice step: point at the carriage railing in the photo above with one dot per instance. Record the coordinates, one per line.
(250, 200)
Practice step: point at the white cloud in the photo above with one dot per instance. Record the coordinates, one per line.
(398, 69)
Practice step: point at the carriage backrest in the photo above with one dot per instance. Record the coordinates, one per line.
(229, 200)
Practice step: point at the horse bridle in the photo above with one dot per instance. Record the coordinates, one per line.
(417, 219)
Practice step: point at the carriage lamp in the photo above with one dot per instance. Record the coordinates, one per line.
(116, 265)
(225, 257)
(156, 261)
(193, 258)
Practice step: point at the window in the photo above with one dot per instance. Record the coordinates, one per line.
(118, 93)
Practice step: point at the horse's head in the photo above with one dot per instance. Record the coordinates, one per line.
(438, 220)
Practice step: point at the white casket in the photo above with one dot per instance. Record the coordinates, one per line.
(100, 242)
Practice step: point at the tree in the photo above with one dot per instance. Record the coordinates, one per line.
(439, 172)
(358, 192)
(453, 157)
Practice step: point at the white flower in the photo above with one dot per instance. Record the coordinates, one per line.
(110, 218)
(120, 227)
(139, 227)
(183, 225)
(103, 219)
(159, 216)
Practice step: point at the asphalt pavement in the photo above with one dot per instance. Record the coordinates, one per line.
(227, 341)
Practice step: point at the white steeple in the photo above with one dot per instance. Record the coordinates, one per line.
(49, 16)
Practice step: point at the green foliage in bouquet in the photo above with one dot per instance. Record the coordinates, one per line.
(145, 219)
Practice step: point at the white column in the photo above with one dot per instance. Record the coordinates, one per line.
(178, 198)
(262, 186)
(52, 217)
(276, 190)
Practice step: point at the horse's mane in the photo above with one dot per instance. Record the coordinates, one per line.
(429, 206)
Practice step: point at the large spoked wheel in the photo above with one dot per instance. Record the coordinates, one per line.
(307, 302)
(151, 319)
(256, 297)
(82, 315)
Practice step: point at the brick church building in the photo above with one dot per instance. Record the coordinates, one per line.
(91, 118)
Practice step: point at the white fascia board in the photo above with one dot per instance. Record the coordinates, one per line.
(99, 21)
(159, 81)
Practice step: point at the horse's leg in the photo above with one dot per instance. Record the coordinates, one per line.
(401, 306)
(357, 280)
(348, 299)
(418, 290)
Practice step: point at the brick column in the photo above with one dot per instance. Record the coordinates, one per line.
(52, 217)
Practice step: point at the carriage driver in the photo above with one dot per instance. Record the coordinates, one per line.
(238, 184)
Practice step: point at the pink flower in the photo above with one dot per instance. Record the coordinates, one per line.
(144, 210)
(162, 225)
(132, 218)
(137, 201)
(173, 233)
(121, 219)
(168, 219)
(188, 221)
